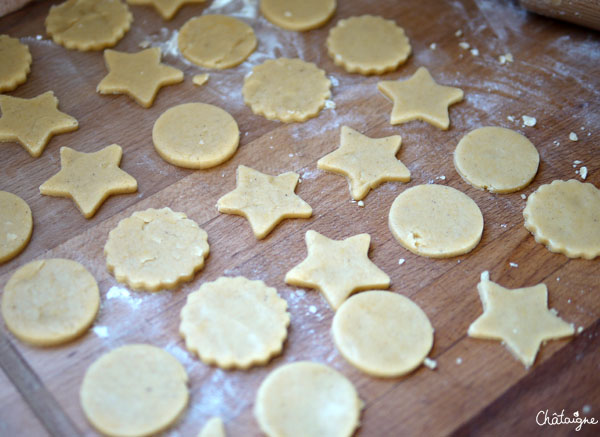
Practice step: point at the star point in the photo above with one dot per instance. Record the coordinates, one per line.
(166, 8)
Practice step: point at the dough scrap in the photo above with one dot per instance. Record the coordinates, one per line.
(156, 249)
(286, 89)
(264, 200)
(337, 268)
(368, 45)
(365, 162)
(88, 24)
(565, 217)
(15, 65)
(420, 98)
(139, 75)
(361, 331)
(519, 318)
(89, 178)
(166, 8)
(298, 15)
(32, 122)
(16, 225)
(195, 135)
(134, 390)
(496, 159)
(200, 79)
(216, 41)
(306, 399)
(50, 302)
(436, 221)
(213, 428)
(234, 323)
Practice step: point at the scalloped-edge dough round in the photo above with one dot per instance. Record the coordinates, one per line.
(16, 225)
(565, 217)
(15, 65)
(234, 322)
(298, 15)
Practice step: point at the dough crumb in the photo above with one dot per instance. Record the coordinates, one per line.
(513, 265)
(433, 46)
(580, 330)
(573, 136)
(503, 59)
(523, 196)
(485, 276)
(510, 118)
(464, 45)
(432, 364)
(475, 52)
(583, 172)
(458, 33)
(577, 161)
(529, 121)
(558, 279)
(144, 44)
(329, 104)
(200, 79)
(401, 261)
(503, 225)
(459, 361)
(556, 143)
(361, 203)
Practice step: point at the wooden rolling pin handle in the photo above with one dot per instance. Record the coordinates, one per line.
(583, 12)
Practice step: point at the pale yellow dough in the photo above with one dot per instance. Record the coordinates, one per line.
(436, 221)
(216, 41)
(565, 216)
(368, 45)
(88, 24)
(200, 79)
(16, 225)
(496, 159)
(134, 390)
(15, 65)
(166, 8)
(298, 15)
(382, 333)
(155, 249)
(286, 89)
(50, 302)
(306, 399)
(195, 135)
(213, 428)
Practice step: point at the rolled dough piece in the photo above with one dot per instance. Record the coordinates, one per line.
(298, 15)
(565, 216)
(134, 390)
(50, 302)
(234, 323)
(286, 89)
(496, 159)
(213, 428)
(200, 79)
(368, 45)
(195, 135)
(306, 399)
(436, 221)
(16, 225)
(166, 8)
(15, 65)
(216, 41)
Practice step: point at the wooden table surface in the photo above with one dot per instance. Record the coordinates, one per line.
(554, 78)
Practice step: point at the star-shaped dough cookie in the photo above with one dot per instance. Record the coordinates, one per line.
(519, 318)
(89, 178)
(32, 122)
(166, 8)
(264, 200)
(139, 75)
(420, 98)
(337, 268)
(366, 162)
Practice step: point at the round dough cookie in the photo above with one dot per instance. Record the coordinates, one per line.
(436, 221)
(195, 135)
(216, 41)
(88, 24)
(565, 216)
(496, 159)
(16, 225)
(368, 45)
(298, 15)
(15, 65)
(361, 332)
(306, 399)
(234, 322)
(134, 390)
(50, 302)
(286, 89)
(155, 249)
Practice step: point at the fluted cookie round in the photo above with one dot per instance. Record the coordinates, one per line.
(15, 65)
(16, 225)
(298, 15)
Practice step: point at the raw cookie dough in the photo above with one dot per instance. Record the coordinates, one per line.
(496, 159)
(195, 135)
(200, 79)
(234, 323)
(306, 399)
(50, 302)
(436, 221)
(15, 65)
(16, 225)
(89, 178)
(565, 216)
(286, 89)
(88, 24)
(298, 15)
(166, 8)
(519, 318)
(32, 122)
(213, 428)
(366, 162)
(155, 249)
(134, 390)
(382, 333)
(368, 45)
(216, 41)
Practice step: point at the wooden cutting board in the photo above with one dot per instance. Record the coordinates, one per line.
(478, 387)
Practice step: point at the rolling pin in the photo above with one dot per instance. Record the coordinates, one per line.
(583, 12)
